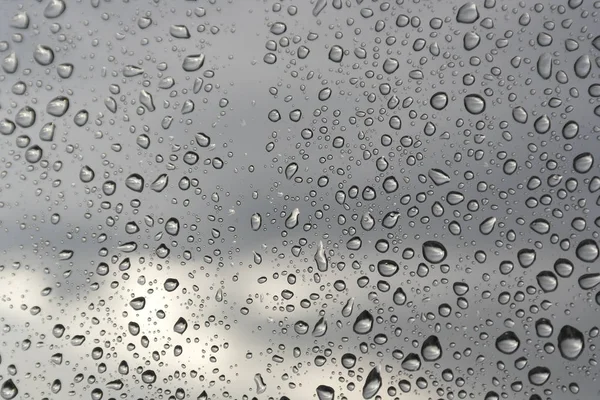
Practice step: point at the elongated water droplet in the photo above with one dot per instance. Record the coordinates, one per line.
(321, 258)
(193, 62)
(363, 323)
(372, 384)
(261, 386)
(179, 31)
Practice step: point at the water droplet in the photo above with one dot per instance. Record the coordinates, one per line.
(146, 100)
(439, 101)
(372, 384)
(325, 392)
(86, 174)
(43, 55)
(544, 65)
(336, 54)
(278, 28)
(33, 154)
(319, 6)
(58, 106)
(547, 281)
(47, 132)
(589, 281)
(542, 124)
(540, 226)
(508, 342)
(539, 375)
(348, 360)
(81, 118)
(438, 176)
(474, 104)
(471, 40)
(434, 252)
(321, 258)
(148, 377)
(587, 251)
(570, 342)
(363, 323)
(10, 63)
(9, 390)
(25, 117)
(261, 386)
(54, 9)
(20, 20)
(387, 268)
(583, 163)
(320, 328)
(135, 182)
(399, 297)
(193, 62)
(180, 326)
(130, 71)
(526, 257)
(138, 303)
(467, 13)
(179, 31)
(390, 65)
(411, 363)
(583, 66)
(520, 115)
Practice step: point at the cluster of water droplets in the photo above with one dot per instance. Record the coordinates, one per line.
(332, 199)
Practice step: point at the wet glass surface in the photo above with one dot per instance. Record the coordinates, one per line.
(330, 199)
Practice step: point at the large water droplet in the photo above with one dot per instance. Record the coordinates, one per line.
(135, 182)
(434, 252)
(43, 55)
(431, 350)
(325, 392)
(34, 154)
(9, 390)
(390, 65)
(193, 62)
(539, 375)
(508, 342)
(587, 250)
(336, 54)
(439, 101)
(372, 384)
(570, 342)
(363, 323)
(467, 13)
(54, 9)
(475, 104)
(58, 106)
(387, 268)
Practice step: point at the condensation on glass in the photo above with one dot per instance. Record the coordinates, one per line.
(326, 199)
